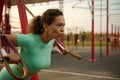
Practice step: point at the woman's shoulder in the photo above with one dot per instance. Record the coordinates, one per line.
(25, 39)
(25, 35)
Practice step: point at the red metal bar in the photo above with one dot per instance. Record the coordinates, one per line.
(75, 40)
(23, 17)
(118, 37)
(62, 38)
(92, 51)
(7, 24)
(83, 38)
(1, 10)
(68, 39)
(107, 25)
(115, 37)
(7, 27)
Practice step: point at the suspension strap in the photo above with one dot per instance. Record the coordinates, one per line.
(6, 64)
(0, 50)
(12, 73)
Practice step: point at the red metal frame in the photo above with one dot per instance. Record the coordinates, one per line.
(107, 26)
(92, 38)
(22, 16)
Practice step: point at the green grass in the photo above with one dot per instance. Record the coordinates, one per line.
(97, 44)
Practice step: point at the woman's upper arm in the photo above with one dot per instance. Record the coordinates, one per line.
(13, 39)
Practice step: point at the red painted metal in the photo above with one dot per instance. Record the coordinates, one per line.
(118, 38)
(83, 38)
(107, 26)
(1, 10)
(68, 39)
(7, 24)
(22, 16)
(92, 38)
(75, 40)
(115, 39)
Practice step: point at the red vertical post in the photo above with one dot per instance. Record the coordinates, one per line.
(92, 38)
(118, 37)
(115, 38)
(83, 38)
(107, 25)
(7, 29)
(76, 38)
(1, 9)
(68, 39)
(23, 16)
(112, 37)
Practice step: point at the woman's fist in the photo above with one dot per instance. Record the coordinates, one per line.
(12, 58)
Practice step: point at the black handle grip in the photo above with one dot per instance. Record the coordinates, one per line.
(5, 58)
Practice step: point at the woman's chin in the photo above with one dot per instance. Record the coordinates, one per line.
(58, 37)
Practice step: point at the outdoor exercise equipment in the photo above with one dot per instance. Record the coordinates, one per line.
(5, 61)
(24, 23)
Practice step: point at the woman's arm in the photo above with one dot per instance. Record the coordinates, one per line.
(13, 57)
(12, 38)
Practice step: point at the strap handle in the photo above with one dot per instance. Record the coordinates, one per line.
(6, 64)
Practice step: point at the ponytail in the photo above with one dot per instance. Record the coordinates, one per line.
(36, 26)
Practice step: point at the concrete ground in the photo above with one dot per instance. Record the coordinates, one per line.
(70, 68)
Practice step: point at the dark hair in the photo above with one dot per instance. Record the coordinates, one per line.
(36, 25)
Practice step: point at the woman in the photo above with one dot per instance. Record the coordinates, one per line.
(36, 47)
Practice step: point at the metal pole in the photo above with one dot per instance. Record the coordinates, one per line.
(23, 17)
(107, 25)
(112, 37)
(118, 38)
(115, 37)
(101, 31)
(92, 51)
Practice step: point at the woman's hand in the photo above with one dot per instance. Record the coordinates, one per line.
(12, 58)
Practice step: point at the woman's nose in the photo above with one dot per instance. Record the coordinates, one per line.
(62, 30)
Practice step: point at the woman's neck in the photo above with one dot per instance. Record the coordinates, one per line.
(45, 38)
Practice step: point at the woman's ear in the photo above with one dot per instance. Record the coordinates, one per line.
(45, 26)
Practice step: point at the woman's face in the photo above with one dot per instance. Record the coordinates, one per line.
(56, 29)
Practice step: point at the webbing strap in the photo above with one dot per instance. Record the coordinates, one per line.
(10, 44)
(0, 48)
(6, 64)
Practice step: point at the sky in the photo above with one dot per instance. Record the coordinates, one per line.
(77, 19)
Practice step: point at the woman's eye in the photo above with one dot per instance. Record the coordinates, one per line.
(60, 25)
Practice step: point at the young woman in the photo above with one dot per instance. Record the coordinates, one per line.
(36, 46)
